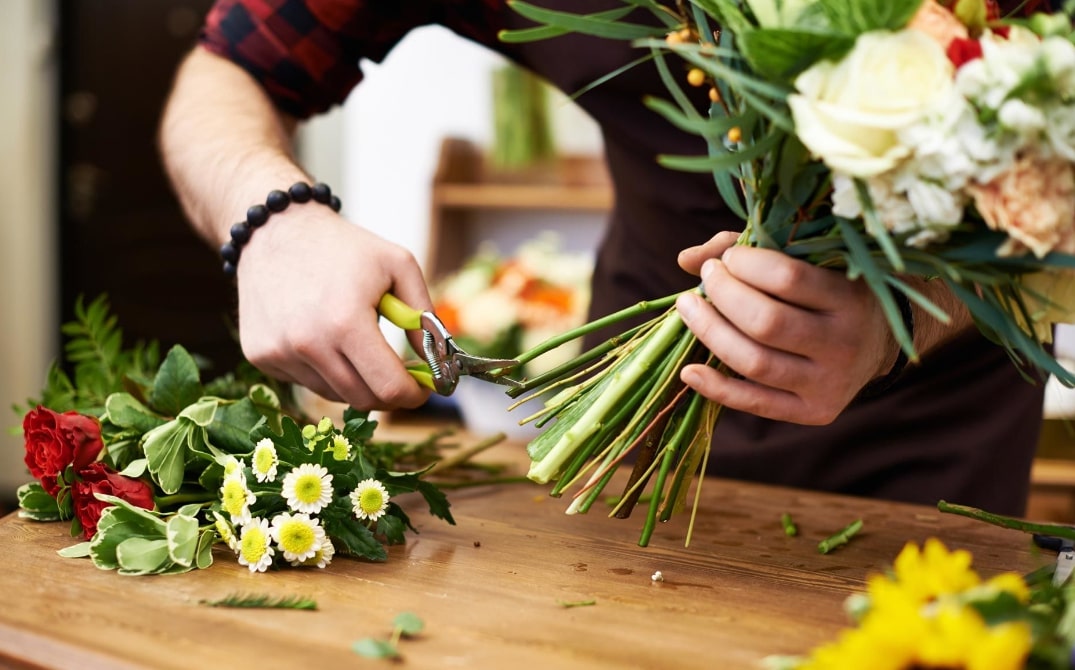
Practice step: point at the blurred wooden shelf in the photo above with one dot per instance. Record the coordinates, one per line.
(466, 186)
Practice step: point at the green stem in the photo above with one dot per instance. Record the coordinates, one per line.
(492, 481)
(464, 455)
(184, 498)
(615, 317)
(569, 367)
(1055, 530)
(841, 538)
(622, 381)
(790, 529)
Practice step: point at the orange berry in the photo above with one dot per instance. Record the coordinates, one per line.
(734, 134)
(714, 94)
(695, 77)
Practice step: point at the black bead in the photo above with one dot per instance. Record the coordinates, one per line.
(335, 204)
(321, 193)
(277, 201)
(300, 192)
(229, 268)
(257, 215)
(240, 234)
(229, 252)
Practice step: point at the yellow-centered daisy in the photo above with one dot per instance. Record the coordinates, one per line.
(255, 545)
(369, 499)
(307, 488)
(322, 557)
(235, 497)
(297, 536)
(341, 448)
(265, 460)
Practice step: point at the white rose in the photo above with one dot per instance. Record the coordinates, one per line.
(849, 113)
(778, 13)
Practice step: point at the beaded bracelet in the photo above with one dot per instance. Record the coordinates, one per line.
(882, 384)
(276, 202)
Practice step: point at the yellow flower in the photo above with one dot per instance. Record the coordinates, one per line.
(934, 571)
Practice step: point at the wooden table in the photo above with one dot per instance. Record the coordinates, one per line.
(488, 589)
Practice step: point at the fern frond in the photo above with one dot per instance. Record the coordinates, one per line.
(263, 602)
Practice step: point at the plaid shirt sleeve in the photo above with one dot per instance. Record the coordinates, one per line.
(307, 53)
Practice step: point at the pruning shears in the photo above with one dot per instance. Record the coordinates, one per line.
(1065, 556)
(446, 361)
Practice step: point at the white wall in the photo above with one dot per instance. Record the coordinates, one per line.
(29, 334)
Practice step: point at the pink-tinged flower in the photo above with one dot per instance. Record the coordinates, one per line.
(1033, 202)
(939, 23)
(54, 441)
(99, 478)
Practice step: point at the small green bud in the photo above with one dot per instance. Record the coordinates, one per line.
(309, 431)
(325, 426)
(1049, 25)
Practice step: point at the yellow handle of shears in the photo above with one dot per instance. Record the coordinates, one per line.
(407, 318)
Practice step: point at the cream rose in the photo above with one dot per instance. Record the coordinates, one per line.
(849, 113)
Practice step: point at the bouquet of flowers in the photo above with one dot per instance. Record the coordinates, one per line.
(154, 468)
(498, 306)
(890, 139)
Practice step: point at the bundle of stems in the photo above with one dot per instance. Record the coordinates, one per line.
(621, 400)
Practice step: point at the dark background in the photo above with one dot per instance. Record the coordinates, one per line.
(121, 230)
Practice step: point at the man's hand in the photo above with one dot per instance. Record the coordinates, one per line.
(309, 285)
(801, 341)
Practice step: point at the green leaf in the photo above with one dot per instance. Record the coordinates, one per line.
(392, 528)
(854, 17)
(725, 161)
(135, 468)
(408, 623)
(231, 426)
(166, 453)
(142, 556)
(547, 32)
(587, 25)
(204, 556)
(354, 537)
(125, 411)
(727, 13)
(182, 539)
(373, 648)
(781, 54)
(80, 550)
(177, 383)
(437, 501)
(35, 503)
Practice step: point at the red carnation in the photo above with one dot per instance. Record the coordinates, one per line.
(55, 441)
(99, 478)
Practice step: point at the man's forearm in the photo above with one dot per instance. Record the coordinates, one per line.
(223, 143)
(930, 333)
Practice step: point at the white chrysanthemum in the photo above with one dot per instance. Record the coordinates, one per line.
(236, 498)
(226, 532)
(369, 500)
(233, 466)
(307, 488)
(341, 448)
(255, 545)
(322, 557)
(264, 461)
(297, 535)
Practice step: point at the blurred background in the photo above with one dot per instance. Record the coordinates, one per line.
(86, 208)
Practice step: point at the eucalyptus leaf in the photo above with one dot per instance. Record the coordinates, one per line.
(177, 383)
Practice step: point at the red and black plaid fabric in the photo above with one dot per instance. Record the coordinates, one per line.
(307, 53)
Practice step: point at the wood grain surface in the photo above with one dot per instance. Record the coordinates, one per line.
(489, 589)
